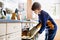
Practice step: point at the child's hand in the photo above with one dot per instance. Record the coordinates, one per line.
(49, 23)
(39, 26)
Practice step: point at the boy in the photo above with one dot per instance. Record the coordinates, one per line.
(43, 17)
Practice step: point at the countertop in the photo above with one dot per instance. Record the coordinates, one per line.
(15, 21)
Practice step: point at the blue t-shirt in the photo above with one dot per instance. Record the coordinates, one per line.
(43, 17)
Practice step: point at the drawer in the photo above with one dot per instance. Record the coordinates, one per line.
(13, 27)
(14, 36)
(3, 38)
(2, 28)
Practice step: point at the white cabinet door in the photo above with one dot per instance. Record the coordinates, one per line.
(3, 38)
(13, 27)
(2, 28)
(14, 36)
(17, 36)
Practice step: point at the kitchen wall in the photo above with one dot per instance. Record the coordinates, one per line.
(50, 6)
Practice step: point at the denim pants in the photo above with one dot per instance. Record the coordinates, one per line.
(50, 34)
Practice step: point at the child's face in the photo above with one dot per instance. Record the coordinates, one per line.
(37, 11)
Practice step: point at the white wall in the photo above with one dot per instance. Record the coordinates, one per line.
(50, 6)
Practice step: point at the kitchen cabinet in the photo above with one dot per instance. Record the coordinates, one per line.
(2, 28)
(10, 30)
(14, 36)
(3, 38)
(13, 27)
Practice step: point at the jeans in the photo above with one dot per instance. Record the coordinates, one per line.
(50, 34)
